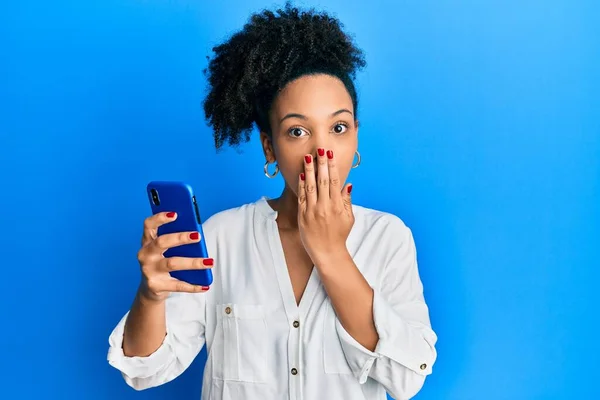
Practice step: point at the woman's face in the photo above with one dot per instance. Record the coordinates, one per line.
(310, 113)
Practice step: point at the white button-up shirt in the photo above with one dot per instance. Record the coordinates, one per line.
(262, 345)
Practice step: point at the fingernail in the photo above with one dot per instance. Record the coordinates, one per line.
(349, 189)
(205, 287)
(170, 214)
(308, 159)
(321, 152)
(302, 175)
(208, 261)
(194, 235)
(329, 154)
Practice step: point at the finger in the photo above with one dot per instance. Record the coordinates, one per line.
(347, 199)
(335, 190)
(310, 181)
(186, 263)
(322, 178)
(175, 285)
(167, 241)
(302, 193)
(152, 223)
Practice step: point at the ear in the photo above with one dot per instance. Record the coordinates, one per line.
(267, 146)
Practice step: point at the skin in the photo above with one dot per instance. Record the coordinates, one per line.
(317, 141)
(145, 328)
(314, 138)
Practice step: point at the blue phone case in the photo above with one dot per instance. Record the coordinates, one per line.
(179, 197)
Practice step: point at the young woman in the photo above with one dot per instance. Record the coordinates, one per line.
(313, 297)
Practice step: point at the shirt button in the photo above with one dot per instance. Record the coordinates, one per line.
(423, 367)
(294, 371)
(227, 310)
(296, 324)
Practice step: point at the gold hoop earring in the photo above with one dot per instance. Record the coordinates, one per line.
(357, 160)
(274, 174)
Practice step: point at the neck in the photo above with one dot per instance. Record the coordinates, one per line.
(286, 206)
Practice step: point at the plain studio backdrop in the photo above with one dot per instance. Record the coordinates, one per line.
(479, 129)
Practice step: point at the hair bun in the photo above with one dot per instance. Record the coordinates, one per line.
(272, 49)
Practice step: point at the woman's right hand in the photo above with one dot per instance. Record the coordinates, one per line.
(157, 283)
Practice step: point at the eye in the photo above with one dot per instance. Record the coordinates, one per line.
(340, 128)
(296, 131)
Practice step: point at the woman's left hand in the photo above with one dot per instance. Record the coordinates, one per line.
(325, 215)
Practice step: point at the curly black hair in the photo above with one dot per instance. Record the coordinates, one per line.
(272, 49)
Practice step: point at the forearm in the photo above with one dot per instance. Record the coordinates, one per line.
(351, 297)
(145, 328)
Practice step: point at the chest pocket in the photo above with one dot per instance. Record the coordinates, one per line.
(240, 343)
(334, 359)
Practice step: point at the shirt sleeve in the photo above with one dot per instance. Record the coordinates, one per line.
(405, 352)
(185, 320)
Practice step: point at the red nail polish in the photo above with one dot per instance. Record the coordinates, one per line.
(194, 235)
(329, 154)
(308, 159)
(302, 175)
(349, 189)
(321, 152)
(170, 214)
(208, 261)
(205, 287)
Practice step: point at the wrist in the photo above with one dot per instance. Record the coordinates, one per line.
(333, 259)
(148, 299)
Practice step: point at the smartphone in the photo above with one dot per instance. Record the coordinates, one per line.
(179, 197)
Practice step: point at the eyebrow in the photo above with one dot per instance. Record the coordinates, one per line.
(304, 117)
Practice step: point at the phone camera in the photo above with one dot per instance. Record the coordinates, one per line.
(155, 199)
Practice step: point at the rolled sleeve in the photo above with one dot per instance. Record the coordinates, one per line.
(183, 341)
(138, 370)
(408, 346)
(359, 358)
(405, 352)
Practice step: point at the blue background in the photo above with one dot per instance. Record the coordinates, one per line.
(479, 128)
